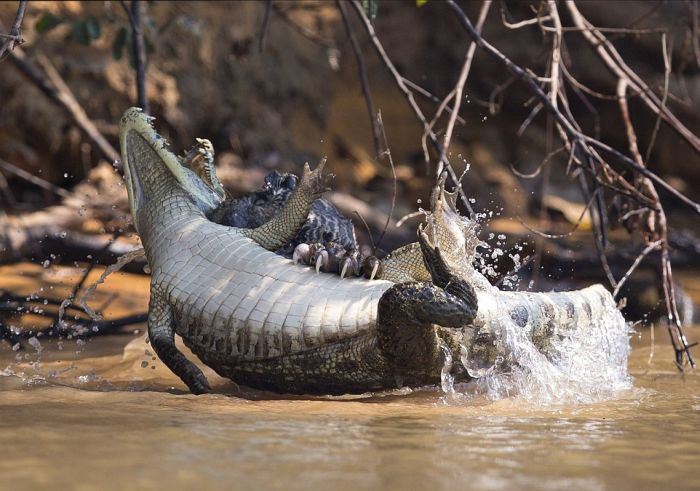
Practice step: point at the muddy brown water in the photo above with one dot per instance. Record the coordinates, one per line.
(106, 415)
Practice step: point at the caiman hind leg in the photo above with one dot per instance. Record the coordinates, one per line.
(410, 313)
(161, 333)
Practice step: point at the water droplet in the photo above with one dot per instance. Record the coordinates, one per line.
(34, 342)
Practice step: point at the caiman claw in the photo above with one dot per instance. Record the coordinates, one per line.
(443, 277)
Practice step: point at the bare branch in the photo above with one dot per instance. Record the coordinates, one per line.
(386, 152)
(650, 247)
(134, 14)
(362, 72)
(14, 39)
(667, 74)
(612, 59)
(58, 91)
(411, 100)
(36, 180)
(459, 86)
(585, 153)
(265, 25)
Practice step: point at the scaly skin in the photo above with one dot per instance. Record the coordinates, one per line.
(252, 315)
(257, 318)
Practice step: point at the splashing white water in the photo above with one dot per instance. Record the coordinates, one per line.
(587, 365)
(555, 348)
(123, 260)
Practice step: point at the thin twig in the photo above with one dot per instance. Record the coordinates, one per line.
(58, 91)
(459, 86)
(14, 39)
(569, 233)
(537, 171)
(530, 117)
(364, 82)
(139, 48)
(311, 36)
(369, 231)
(422, 91)
(265, 25)
(650, 247)
(411, 100)
(386, 152)
(36, 180)
(667, 74)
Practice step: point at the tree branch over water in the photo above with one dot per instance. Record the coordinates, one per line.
(589, 153)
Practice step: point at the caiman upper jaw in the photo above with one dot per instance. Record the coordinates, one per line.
(134, 123)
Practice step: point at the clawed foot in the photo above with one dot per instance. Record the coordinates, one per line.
(443, 276)
(329, 258)
(334, 258)
(434, 261)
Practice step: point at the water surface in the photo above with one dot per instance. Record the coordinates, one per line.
(106, 415)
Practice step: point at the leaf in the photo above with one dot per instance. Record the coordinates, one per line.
(420, 3)
(47, 22)
(119, 42)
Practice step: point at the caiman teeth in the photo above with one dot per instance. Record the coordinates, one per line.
(345, 269)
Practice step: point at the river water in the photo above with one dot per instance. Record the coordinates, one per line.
(106, 415)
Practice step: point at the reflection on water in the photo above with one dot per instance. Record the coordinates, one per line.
(100, 416)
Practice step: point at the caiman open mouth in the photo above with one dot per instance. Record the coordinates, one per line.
(144, 151)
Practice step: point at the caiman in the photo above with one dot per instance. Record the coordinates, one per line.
(268, 323)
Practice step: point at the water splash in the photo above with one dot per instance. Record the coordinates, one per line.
(123, 260)
(547, 348)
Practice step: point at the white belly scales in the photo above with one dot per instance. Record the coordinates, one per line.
(234, 297)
